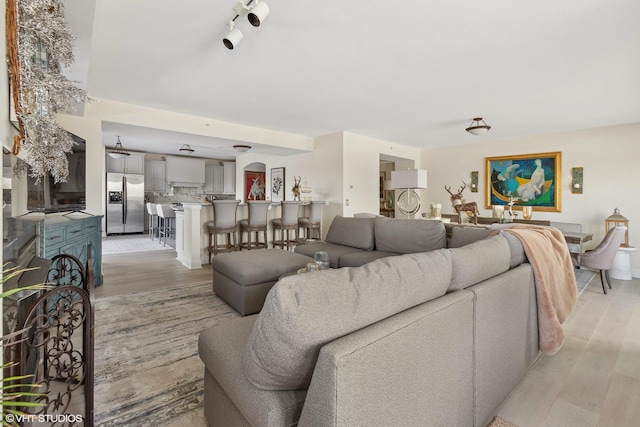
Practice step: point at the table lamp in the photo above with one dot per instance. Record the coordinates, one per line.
(408, 180)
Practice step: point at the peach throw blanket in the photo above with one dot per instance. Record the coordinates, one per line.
(556, 289)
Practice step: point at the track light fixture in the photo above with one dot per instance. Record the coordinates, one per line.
(475, 128)
(233, 38)
(256, 12)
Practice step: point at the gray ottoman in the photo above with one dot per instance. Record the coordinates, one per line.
(243, 279)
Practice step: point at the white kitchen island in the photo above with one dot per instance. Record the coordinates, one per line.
(192, 237)
(191, 233)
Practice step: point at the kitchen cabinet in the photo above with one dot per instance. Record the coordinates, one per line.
(229, 177)
(214, 179)
(77, 236)
(130, 164)
(155, 178)
(185, 171)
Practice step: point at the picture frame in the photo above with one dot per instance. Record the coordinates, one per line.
(254, 186)
(278, 189)
(526, 179)
(382, 178)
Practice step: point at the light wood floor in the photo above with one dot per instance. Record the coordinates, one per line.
(594, 380)
(137, 272)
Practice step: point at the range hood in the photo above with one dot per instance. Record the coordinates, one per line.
(185, 184)
(185, 171)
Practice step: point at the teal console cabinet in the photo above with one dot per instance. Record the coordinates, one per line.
(75, 234)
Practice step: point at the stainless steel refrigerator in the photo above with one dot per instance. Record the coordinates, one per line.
(125, 203)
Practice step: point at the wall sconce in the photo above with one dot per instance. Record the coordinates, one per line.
(576, 180)
(474, 181)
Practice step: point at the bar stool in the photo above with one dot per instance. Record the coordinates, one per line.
(166, 216)
(153, 218)
(224, 222)
(256, 223)
(314, 220)
(285, 224)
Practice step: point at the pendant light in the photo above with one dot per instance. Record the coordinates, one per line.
(475, 128)
(119, 152)
(186, 148)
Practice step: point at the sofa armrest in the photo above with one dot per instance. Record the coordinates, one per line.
(220, 348)
(420, 358)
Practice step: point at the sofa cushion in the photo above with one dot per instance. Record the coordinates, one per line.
(479, 261)
(464, 235)
(257, 266)
(354, 232)
(305, 311)
(407, 236)
(518, 256)
(335, 251)
(356, 259)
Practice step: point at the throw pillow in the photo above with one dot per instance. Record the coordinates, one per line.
(407, 236)
(353, 232)
(479, 261)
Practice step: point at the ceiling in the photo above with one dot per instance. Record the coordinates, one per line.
(412, 72)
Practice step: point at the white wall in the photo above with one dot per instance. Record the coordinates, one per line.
(608, 155)
(361, 170)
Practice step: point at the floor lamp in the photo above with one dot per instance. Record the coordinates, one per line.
(408, 180)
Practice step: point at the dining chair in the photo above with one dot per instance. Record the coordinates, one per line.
(256, 223)
(224, 222)
(313, 221)
(602, 256)
(286, 223)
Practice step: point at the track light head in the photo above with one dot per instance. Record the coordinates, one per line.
(258, 14)
(233, 38)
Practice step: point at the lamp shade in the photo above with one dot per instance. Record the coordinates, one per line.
(411, 178)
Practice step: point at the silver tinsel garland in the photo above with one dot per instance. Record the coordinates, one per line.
(45, 45)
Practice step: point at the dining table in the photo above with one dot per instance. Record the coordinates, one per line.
(576, 238)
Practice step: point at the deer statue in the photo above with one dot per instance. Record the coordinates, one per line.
(296, 188)
(456, 201)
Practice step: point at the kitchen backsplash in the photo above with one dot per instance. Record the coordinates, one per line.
(183, 195)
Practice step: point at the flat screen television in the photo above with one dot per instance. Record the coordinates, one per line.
(49, 196)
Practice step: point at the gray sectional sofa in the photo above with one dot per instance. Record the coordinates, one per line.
(423, 339)
(243, 279)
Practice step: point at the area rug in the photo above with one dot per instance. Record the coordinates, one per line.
(583, 278)
(147, 370)
(125, 244)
